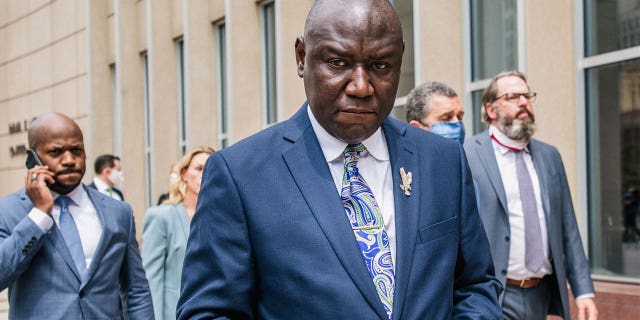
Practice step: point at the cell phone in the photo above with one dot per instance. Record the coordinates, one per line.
(32, 159)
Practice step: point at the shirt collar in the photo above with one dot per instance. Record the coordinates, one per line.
(77, 195)
(101, 185)
(332, 148)
(504, 143)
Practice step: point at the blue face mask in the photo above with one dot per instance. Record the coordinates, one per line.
(451, 130)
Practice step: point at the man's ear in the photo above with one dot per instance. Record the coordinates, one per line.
(106, 172)
(490, 110)
(417, 124)
(300, 55)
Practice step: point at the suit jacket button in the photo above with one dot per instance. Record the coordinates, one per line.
(81, 293)
(506, 238)
(504, 272)
(25, 251)
(33, 239)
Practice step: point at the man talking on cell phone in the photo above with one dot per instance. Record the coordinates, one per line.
(68, 251)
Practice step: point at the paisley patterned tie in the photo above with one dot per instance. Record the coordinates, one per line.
(366, 220)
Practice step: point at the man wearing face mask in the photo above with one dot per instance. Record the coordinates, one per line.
(435, 107)
(109, 177)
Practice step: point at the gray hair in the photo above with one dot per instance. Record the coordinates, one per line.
(419, 98)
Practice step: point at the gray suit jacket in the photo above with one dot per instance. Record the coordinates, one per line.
(567, 255)
(164, 240)
(43, 281)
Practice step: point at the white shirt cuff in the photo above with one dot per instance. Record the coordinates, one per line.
(586, 295)
(41, 219)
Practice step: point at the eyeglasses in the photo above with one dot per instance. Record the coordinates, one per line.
(514, 97)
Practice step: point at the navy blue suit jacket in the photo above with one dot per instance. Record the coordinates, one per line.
(270, 238)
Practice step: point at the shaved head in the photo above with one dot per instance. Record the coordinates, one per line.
(360, 8)
(350, 58)
(58, 142)
(48, 123)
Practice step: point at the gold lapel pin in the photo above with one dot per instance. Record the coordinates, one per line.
(406, 181)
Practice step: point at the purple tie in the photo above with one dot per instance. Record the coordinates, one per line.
(533, 252)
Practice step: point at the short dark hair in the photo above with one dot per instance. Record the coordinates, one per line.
(105, 161)
(418, 98)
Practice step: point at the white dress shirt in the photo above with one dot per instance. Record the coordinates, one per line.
(507, 165)
(85, 216)
(374, 166)
(106, 189)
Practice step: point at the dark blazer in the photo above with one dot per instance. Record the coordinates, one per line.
(270, 238)
(567, 255)
(43, 281)
(118, 192)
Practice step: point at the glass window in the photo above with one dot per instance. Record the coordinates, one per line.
(476, 103)
(269, 47)
(404, 8)
(223, 112)
(613, 140)
(494, 37)
(493, 30)
(611, 25)
(182, 106)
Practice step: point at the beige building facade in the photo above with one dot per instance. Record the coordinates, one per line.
(149, 79)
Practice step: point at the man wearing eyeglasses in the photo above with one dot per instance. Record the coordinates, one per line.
(526, 208)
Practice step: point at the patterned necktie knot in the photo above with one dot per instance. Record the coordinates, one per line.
(352, 154)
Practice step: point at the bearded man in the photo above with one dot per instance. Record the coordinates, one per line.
(526, 208)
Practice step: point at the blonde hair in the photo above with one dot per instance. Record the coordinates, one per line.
(177, 189)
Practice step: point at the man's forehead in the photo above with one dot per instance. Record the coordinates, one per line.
(510, 82)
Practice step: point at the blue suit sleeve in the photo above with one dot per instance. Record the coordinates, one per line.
(19, 243)
(218, 275)
(476, 289)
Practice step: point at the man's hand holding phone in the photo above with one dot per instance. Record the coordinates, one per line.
(36, 183)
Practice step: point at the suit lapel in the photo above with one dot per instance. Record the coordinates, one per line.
(307, 165)
(107, 221)
(55, 239)
(488, 160)
(403, 154)
(183, 219)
